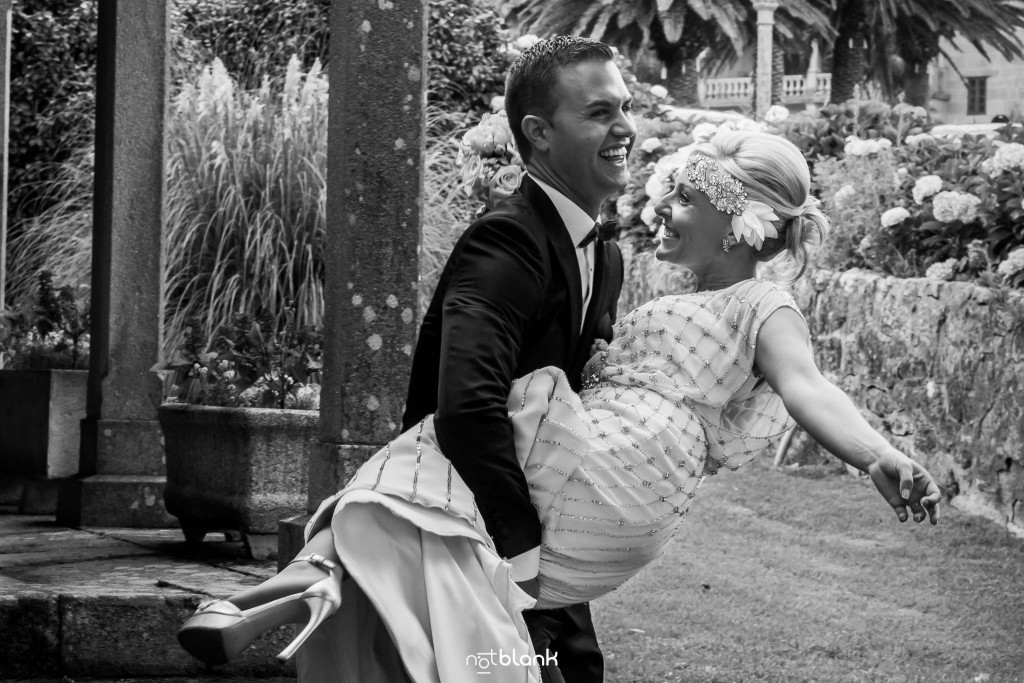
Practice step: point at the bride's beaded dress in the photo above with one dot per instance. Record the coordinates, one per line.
(611, 472)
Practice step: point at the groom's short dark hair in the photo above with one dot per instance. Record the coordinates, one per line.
(531, 79)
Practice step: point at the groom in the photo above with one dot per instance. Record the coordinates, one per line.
(527, 286)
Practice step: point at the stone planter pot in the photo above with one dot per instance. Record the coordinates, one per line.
(40, 416)
(237, 470)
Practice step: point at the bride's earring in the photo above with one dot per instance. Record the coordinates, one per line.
(726, 245)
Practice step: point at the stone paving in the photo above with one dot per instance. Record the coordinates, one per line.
(93, 603)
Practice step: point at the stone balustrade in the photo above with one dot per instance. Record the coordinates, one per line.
(796, 89)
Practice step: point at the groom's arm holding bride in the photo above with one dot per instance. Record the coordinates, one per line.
(465, 361)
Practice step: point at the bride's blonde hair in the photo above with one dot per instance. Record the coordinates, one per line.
(772, 170)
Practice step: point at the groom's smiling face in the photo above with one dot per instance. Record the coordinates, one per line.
(585, 143)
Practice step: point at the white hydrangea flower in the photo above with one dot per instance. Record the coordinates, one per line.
(776, 114)
(659, 91)
(525, 42)
(1008, 157)
(950, 206)
(651, 145)
(703, 132)
(918, 140)
(941, 271)
(658, 184)
(1013, 264)
(855, 146)
(859, 148)
(844, 194)
(894, 216)
(625, 210)
(925, 187)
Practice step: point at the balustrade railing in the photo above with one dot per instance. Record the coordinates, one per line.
(726, 92)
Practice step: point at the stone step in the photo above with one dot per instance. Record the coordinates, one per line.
(107, 603)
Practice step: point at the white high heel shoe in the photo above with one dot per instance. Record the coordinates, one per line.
(219, 631)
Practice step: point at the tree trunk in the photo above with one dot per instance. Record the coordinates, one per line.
(778, 71)
(915, 83)
(849, 53)
(681, 80)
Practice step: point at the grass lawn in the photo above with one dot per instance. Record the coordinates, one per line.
(807, 575)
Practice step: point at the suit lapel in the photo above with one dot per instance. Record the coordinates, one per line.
(559, 238)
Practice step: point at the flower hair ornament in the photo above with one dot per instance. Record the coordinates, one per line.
(751, 219)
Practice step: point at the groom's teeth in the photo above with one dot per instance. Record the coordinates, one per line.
(616, 153)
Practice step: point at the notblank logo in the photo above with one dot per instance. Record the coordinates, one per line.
(485, 662)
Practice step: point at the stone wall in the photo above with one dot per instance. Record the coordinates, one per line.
(938, 368)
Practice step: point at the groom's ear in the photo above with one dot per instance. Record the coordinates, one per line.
(536, 131)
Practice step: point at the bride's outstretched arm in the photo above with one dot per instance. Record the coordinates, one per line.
(783, 355)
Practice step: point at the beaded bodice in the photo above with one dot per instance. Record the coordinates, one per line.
(674, 397)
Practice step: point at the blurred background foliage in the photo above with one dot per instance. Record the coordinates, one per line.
(246, 212)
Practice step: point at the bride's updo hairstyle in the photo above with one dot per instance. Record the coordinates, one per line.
(772, 170)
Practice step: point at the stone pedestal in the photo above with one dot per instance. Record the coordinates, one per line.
(374, 194)
(121, 462)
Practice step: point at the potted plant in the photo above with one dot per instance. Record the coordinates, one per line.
(240, 422)
(44, 350)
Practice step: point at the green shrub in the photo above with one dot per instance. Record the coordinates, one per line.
(52, 95)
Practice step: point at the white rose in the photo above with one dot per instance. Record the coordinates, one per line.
(504, 182)
(659, 91)
(497, 103)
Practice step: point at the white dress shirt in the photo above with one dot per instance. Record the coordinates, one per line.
(579, 225)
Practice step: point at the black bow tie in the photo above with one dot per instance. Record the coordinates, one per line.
(602, 230)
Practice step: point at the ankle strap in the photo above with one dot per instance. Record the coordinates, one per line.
(319, 560)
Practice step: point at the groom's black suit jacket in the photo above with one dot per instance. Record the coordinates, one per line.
(508, 302)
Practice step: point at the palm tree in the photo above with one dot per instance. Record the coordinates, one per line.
(905, 36)
(677, 31)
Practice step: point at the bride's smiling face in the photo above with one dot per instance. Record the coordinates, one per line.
(691, 228)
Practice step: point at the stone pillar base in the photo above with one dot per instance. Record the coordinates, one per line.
(112, 500)
(290, 539)
(122, 447)
(330, 468)
(331, 465)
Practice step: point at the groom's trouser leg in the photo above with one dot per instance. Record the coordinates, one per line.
(568, 635)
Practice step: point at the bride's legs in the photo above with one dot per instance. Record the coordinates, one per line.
(294, 578)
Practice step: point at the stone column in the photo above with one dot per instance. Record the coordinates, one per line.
(813, 69)
(5, 119)
(765, 26)
(374, 193)
(121, 470)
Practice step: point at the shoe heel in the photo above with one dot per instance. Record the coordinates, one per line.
(320, 607)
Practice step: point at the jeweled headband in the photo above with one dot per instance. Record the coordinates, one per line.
(751, 219)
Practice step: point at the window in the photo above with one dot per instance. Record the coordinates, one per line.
(976, 95)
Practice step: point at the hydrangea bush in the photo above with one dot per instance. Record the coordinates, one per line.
(941, 207)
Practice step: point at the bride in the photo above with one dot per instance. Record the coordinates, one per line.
(690, 384)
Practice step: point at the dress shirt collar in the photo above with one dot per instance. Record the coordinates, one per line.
(576, 220)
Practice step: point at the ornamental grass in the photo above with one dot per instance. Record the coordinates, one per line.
(246, 200)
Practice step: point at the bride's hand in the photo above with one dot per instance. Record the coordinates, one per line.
(905, 484)
(598, 346)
